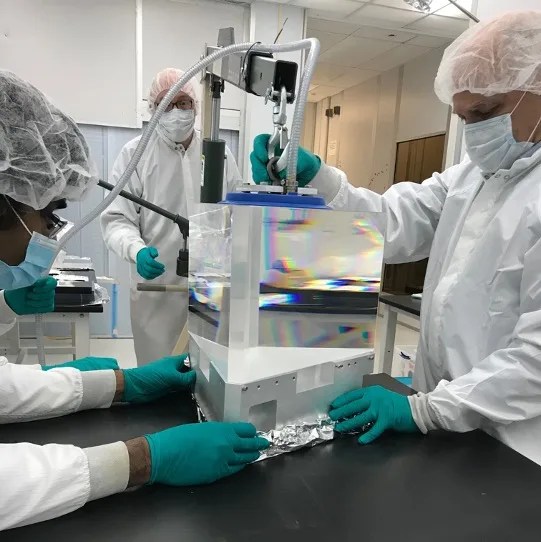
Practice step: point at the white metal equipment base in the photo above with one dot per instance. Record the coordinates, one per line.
(276, 386)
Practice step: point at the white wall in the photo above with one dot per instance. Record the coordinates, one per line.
(491, 8)
(421, 113)
(308, 133)
(335, 140)
(96, 58)
(398, 105)
(362, 139)
(321, 129)
(384, 154)
(357, 120)
(80, 53)
(175, 33)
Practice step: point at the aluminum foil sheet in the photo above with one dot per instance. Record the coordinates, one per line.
(302, 435)
(294, 437)
(291, 438)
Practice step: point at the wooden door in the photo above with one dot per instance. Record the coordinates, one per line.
(416, 160)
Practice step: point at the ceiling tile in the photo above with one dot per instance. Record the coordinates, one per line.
(440, 26)
(340, 8)
(340, 76)
(438, 4)
(385, 16)
(352, 52)
(327, 39)
(331, 26)
(382, 34)
(352, 77)
(429, 41)
(452, 11)
(402, 4)
(399, 4)
(321, 91)
(396, 57)
(326, 14)
(325, 73)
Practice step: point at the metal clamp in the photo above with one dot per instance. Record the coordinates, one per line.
(279, 138)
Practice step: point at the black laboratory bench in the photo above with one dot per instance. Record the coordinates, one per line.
(438, 488)
(405, 303)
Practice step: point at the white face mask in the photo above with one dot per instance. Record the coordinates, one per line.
(491, 145)
(177, 125)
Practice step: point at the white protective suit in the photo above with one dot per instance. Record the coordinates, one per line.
(44, 482)
(170, 177)
(479, 358)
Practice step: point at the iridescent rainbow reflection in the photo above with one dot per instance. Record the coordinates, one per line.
(302, 247)
(319, 274)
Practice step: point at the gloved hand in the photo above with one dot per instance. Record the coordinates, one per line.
(147, 265)
(35, 299)
(202, 453)
(384, 408)
(308, 164)
(152, 381)
(87, 364)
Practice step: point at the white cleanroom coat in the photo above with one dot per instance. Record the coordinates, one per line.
(44, 482)
(479, 357)
(168, 176)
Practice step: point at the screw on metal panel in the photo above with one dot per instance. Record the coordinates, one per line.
(244, 388)
(276, 382)
(294, 378)
(371, 358)
(258, 387)
(340, 366)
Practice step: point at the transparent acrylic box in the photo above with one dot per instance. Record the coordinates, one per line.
(283, 306)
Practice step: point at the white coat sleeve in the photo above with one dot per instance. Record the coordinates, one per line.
(411, 211)
(233, 177)
(28, 394)
(7, 316)
(504, 387)
(120, 221)
(43, 482)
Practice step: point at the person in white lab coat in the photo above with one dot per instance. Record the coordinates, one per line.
(168, 175)
(479, 358)
(44, 159)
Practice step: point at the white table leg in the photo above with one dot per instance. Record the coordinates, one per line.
(81, 335)
(386, 341)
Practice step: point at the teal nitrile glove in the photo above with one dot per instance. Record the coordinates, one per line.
(35, 299)
(202, 453)
(384, 408)
(152, 381)
(87, 364)
(147, 265)
(308, 164)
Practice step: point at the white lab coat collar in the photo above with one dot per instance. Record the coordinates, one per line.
(177, 146)
(521, 166)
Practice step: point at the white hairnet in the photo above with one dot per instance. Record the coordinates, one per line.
(164, 80)
(494, 57)
(43, 155)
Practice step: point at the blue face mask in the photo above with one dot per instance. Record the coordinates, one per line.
(40, 255)
(491, 145)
